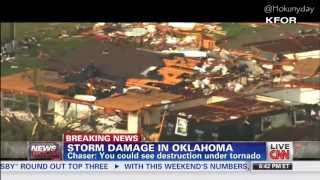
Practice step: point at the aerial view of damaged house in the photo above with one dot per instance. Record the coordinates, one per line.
(164, 81)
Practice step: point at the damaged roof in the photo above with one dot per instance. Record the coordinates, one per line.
(307, 67)
(119, 60)
(207, 113)
(291, 44)
(312, 82)
(146, 83)
(23, 83)
(173, 75)
(183, 62)
(231, 109)
(131, 102)
(296, 95)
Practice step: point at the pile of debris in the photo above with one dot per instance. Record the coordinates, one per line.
(201, 76)
(29, 43)
(233, 70)
(160, 37)
(7, 52)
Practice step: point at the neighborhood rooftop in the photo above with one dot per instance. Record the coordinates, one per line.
(24, 83)
(137, 101)
(233, 109)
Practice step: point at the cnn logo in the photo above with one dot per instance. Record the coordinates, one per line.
(278, 151)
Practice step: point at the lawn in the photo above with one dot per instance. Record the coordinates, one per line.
(236, 29)
(47, 36)
(40, 30)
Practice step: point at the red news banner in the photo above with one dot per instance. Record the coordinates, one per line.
(102, 138)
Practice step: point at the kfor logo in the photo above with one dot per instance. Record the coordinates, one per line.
(278, 151)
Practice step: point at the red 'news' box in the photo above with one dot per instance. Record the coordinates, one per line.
(101, 138)
(44, 151)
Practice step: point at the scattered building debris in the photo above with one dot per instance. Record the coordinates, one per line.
(307, 67)
(248, 118)
(132, 77)
(289, 45)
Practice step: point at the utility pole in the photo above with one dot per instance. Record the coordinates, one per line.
(8, 30)
(13, 36)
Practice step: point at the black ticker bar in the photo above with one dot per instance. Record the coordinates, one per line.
(272, 166)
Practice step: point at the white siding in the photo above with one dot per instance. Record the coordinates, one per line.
(298, 95)
(281, 120)
(59, 110)
(133, 122)
(152, 116)
(304, 55)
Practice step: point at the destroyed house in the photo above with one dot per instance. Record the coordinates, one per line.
(40, 92)
(117, 61)
(50, 83)
(141, 108)
(304, 103)
(125, 112)
(225, 119)
(185, 76)
(173, 75)
(174, 72)
(119, 113)
(303, 74)
(145, 109)
(206, 42)
(288, 45)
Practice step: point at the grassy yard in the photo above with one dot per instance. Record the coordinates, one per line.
(41, 30)
(236, 29)
(47, 36)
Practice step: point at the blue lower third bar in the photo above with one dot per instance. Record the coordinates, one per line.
(167, 151)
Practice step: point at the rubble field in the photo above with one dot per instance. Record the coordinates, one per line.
(167, 81)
